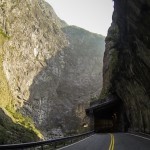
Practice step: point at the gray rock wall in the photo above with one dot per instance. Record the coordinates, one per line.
(52, 69)
(126, 61)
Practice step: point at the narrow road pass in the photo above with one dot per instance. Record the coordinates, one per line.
(116, 141)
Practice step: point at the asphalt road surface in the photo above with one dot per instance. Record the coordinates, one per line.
(117, 141)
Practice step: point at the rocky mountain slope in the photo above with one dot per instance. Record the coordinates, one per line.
(49, 70)
(126, 61)
(14, 133)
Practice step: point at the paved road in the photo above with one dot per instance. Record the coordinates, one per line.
(117, 141)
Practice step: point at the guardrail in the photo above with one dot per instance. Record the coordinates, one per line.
(46, 145)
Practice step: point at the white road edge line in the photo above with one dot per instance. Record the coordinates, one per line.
(138, 136)
(144, 134)
(75, 143)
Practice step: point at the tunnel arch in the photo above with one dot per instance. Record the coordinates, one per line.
(108, 115)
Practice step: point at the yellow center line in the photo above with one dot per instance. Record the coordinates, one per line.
(112, 142)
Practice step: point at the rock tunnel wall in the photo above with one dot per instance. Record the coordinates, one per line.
(126, 68)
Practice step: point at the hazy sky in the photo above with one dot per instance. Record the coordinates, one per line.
(92, 15)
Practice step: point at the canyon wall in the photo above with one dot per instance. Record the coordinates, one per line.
(126, 68)
(49, 70)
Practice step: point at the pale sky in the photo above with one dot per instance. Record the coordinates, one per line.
(92, 15)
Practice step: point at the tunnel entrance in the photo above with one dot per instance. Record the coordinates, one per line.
(108, 116)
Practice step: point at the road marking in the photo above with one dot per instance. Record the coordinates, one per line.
(112, 142)
(139, 136)
(74, 143)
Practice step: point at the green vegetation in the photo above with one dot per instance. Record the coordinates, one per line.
(14, 133)
(93, 99)
(5, 36)
(104, 93)
(5, 97)
(26, 122)
(13, 125)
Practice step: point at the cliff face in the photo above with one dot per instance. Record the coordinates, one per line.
(14, 133)
(49, 70)
(63, 88)
(126, 61)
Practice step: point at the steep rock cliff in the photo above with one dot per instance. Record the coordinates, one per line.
(14, 133)
(62, 90)
(49, 70)
(126, 68)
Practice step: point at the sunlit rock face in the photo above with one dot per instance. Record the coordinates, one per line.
(52, 69)
(127, 61)
(14, 133)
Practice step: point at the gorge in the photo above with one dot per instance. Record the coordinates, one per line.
(49, 72)
(126, 61)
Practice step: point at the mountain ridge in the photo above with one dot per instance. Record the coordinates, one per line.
(49, 74)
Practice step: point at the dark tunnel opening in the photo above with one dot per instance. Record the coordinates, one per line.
(109, 116)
